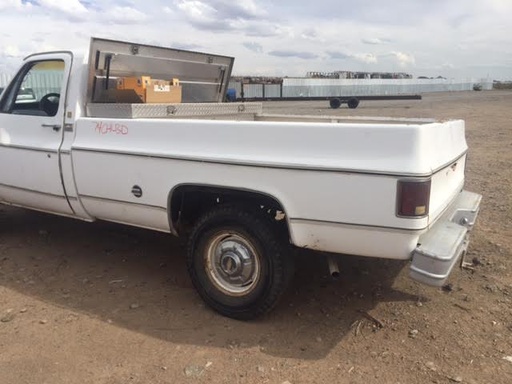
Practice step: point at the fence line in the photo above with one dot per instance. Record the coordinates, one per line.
(292, 87)
(4, 79)
(41, 83)
(305, 87)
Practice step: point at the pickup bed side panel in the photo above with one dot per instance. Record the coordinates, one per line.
(125, 169)
(106, 183)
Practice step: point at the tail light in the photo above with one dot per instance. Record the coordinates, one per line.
(413, 198)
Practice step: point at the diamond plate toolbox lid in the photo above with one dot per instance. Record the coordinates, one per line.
(204, 77)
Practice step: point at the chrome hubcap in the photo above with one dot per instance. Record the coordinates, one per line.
(232, 264)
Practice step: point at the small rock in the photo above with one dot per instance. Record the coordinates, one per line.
(430, 365)
(419, 304)
(456, 379)
(164, 368)
(286, 382)
(413, 333)
(476, 261)
(23, 310)
(208, 364)
(193, 371)
(508, 358)
(491, 288)
(447, 287)
(44, 321)
(134, 306)
(9, 316)
(260, 369)
(318, 339)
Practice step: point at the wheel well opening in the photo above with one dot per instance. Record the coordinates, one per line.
(189, 202)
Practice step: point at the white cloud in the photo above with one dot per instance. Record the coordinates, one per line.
(404, 59)
(368, 58)
(12, 4)
(310, 34)
(221, 16)
(197, 10)
(293, 54)
(252, 46)
(11, 51)
(447, 66)
(124, 15)
(67, 6)
(375, 41)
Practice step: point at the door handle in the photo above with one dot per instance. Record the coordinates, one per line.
(55, 127)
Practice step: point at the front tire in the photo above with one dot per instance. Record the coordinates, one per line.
(238, 262)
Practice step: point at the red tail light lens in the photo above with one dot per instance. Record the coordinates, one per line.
(413, 198)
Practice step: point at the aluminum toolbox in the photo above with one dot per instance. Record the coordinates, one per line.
(138, 111)
(204, 77)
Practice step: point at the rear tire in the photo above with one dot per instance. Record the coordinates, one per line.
(335, 103)
(353, 103)
(237, 261)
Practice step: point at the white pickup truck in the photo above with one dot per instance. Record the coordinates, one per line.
(242, 186)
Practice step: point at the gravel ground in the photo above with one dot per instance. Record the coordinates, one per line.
(102, 303)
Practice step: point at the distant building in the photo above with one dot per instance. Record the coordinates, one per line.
(358, 75)
(257, 79)
(324, 75)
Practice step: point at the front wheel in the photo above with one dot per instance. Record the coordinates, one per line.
(238, 262)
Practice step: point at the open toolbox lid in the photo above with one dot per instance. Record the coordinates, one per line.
(204, 77)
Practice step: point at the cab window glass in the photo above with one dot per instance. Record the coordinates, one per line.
(37, 89)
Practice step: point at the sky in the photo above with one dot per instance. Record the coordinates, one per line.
(450, 38)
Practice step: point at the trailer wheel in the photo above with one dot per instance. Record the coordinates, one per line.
(353, 103)
(335, 103)
(237, 261)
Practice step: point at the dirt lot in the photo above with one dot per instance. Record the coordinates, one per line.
(102, 303)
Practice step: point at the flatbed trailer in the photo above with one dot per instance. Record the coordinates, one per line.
(334, 101)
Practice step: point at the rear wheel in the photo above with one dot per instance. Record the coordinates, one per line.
(353, 103)
(238, 262)
(335, 103)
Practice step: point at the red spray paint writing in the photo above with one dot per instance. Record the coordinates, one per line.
(117, 129)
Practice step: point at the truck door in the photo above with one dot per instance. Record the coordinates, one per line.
(31, 133)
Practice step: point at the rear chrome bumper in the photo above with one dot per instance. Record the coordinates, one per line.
(442, 245)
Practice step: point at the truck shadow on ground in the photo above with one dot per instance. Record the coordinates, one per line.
(137, 279)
